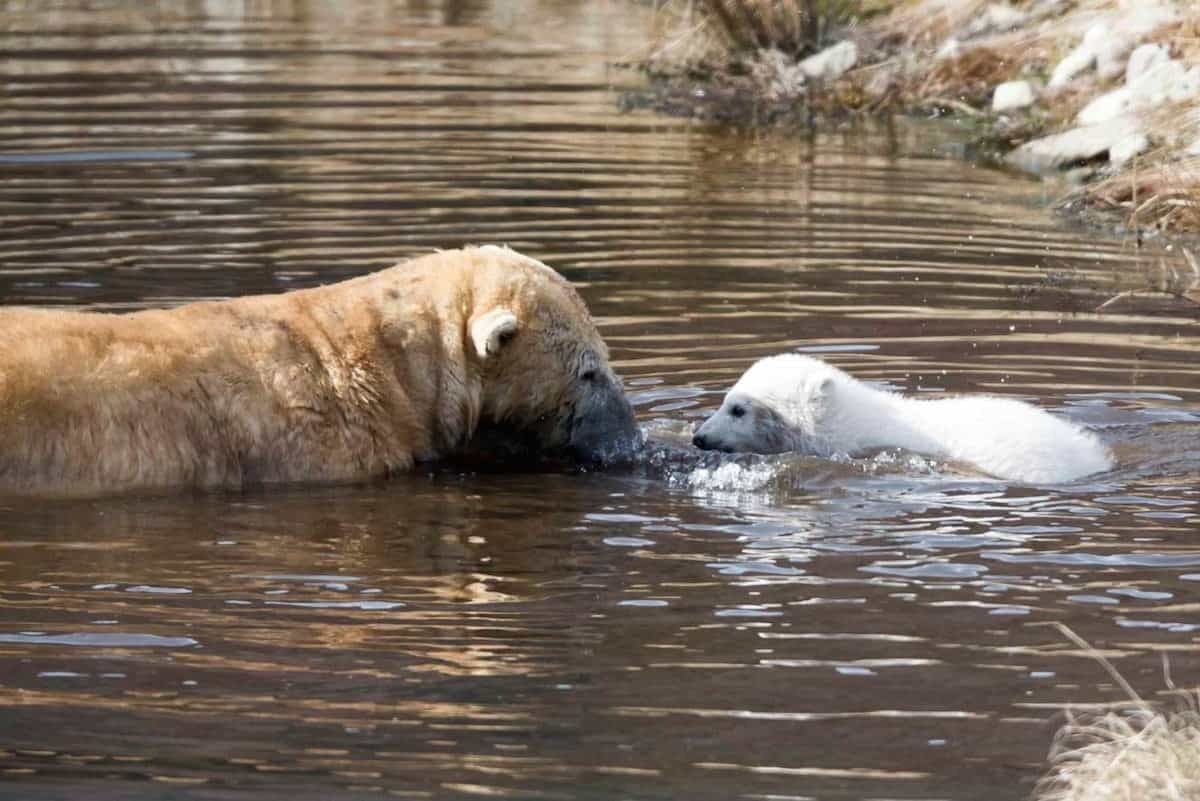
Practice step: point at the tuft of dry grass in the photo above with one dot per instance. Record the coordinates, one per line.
(711, 33)
(788, 26)
(1132, 753)
(1135, 754)
(1164, 195)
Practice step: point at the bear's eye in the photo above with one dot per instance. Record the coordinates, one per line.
(588, 375)
(506, 337)
(738, 411)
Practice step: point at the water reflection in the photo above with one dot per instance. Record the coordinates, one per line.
(698, 626)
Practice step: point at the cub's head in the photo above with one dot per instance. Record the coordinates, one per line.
(545, 380)
(777, 406)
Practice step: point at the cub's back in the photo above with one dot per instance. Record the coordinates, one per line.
(1010, 438)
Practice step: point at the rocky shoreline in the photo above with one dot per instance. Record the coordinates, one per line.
(1105, 93)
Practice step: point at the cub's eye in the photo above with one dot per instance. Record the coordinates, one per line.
(506, 337)
(738, 411)
(588, 375)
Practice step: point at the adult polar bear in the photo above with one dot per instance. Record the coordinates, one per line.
(341, 382)
(798, 403)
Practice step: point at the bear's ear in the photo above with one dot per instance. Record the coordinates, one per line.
(821, 390)
(491, 330)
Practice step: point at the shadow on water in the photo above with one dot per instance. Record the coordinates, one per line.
(692, 626)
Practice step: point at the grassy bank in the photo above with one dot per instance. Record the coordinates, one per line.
(1106, 92)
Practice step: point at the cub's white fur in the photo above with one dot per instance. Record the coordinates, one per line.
(798, 403)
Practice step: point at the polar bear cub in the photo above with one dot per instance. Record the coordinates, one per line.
(798, 403)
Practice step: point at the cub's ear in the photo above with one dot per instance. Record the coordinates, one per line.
(491, 331)
(821, 389)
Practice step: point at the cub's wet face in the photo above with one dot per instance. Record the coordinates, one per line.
(548, 386)
(743, 425)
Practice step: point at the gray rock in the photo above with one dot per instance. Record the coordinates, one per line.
(832, 62)
(1125, 149)
(1078, 144)
(1013, 95)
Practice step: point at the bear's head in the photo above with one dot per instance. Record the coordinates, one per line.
(545, 382)
(777, 406)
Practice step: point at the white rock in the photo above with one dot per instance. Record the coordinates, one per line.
(1073, 63)
(1154, 86)
(1012, 95)
(832, 62)
(1110, 55)
(1125, 149)
(1106, 42)
(1143, 59)
(997, 17)
(1193, 149)
(1003, 17)
(1166, 81)
(1095, 34)
(1075, 145)
(1107, 106)
(1144, 16)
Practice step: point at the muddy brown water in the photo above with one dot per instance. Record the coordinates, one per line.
(696, 627)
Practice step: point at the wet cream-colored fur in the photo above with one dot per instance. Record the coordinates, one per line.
(798, 403)
(346, 381)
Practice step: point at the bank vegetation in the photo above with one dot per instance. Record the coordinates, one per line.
(1105, 92)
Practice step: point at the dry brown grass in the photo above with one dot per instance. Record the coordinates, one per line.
(790, 26)
(1164, 196)
(1132, 752)
(925, 24)
(968, 77)
(1183, 37)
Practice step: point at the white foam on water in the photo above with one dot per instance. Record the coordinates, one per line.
(733, 477)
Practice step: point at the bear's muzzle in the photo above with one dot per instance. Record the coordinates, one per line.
(603, 427)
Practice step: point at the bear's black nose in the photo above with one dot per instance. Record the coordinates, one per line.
(700, 442)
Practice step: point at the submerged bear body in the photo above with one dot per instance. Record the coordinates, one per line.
(798, 403)
(347, 381)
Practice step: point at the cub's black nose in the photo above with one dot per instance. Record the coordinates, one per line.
(700, 442)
